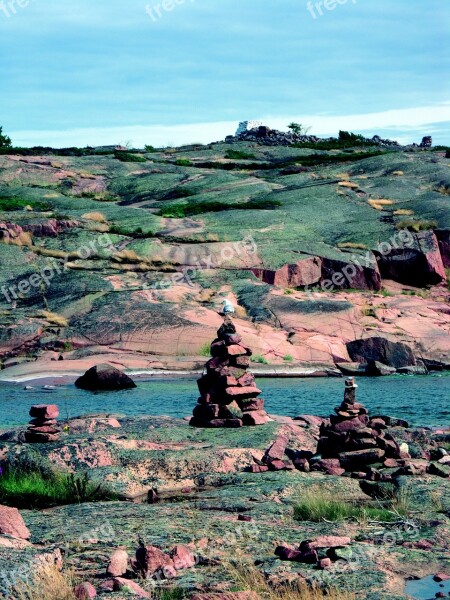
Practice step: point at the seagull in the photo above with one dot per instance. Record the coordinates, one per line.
(228, 308)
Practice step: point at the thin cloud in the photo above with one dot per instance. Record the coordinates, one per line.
(407, 124)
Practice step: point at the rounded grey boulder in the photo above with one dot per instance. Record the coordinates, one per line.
(104, 377)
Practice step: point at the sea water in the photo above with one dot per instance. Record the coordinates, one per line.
(421, 400)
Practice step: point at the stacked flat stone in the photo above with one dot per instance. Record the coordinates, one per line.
(229, 396)
(351, 441)
(43, 427)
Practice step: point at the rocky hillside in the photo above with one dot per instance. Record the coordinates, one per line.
(132, 253)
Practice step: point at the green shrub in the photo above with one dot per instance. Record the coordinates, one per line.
(124, 156)
(183, 162)
(149, 148)
(5, 141)
(205, 349)
(239, 155)
(288, 358)
(298, 128)
(15, 203)
(258, 358)
(137, 233)
(186, 210)
(34, 489)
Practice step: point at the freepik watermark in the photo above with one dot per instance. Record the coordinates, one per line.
(189, 273)
(344, 278)
(8, 8)
(43, 278)
(316, 9)
(157, 11)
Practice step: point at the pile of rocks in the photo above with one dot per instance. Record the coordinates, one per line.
(252, 131)
(351, 441)
(43, 427)
(322, 551)
(229, 396)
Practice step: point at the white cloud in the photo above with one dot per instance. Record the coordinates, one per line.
(408, 123)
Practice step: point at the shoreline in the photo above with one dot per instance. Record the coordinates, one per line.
(68, 371)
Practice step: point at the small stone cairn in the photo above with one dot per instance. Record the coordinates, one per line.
(43, 427)
(229, 396)
(351, 441)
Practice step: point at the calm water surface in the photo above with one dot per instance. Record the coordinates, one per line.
(420, 400)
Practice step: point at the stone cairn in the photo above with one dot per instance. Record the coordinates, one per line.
(351, 441)
(229, 396)
(43, 427)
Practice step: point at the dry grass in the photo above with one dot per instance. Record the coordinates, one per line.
(349, 184)
(247, 577)
(52, 318)
(416, 225)
(99, 227)
(48, 583)
(23, 239)
(98, 217)
(379, 203)
(353, 245)
(405, 212)
(128, 256)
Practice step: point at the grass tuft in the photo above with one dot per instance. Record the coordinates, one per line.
(416, 225)
(247, 577)
(34, 489)
(46, 583)
(317, 505)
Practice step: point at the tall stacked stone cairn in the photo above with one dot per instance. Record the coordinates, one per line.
(351, 441)
(43, 427)
(229, 396)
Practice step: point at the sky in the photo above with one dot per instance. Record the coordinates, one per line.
(171, 72)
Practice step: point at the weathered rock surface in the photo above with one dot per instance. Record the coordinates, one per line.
(417, 262)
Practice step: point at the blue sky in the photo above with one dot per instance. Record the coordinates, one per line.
(108, 71)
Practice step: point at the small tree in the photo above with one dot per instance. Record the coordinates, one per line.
(5, 141)
(298, 128)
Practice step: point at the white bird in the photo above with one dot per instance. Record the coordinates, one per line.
(228, 308)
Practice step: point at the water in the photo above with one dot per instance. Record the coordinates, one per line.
(420, 400)
(426, 588)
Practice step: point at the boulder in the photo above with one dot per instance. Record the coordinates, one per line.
(104, 377)
(306, 271)
(118, 563)
(12, 523)
(443, 238)
(343, 273)
(131, 586)
(326, 541)
(439, 469)
(183, 557)
(151, 560)
(378, 369)
(84, 591)
(360, 458)
(392, 354)
(417, 261)
(44, 412)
